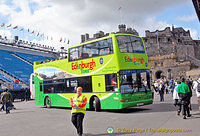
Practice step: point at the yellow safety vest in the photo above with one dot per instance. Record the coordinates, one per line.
(77, 101)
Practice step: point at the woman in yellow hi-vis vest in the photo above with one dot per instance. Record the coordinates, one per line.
(78, 103)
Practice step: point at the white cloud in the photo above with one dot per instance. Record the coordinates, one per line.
(6, 33)
(71, 18)
(187, 18)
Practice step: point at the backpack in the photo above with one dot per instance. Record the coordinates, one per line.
(198, 87)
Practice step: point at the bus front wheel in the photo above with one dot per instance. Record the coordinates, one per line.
(47, 102)
(96, 104)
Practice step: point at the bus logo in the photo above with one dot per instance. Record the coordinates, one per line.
(84, 67)
(146, 64)
(101, 60)
(110, 130)
(134, 60)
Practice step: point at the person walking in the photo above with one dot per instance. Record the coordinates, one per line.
(196, 87)
(183, 91)
(3, 103)
(176, 98)
(189, 83)
(7, 98)
(161, 91)
(78, 103)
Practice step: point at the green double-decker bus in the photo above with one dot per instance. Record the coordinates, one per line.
(113, 72)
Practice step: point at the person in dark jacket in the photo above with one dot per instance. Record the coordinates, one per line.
(189, 83)
(161, 91)
(183, 91)
(7, 98)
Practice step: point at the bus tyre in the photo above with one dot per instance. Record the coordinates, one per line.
(47, 102)
(96, 103)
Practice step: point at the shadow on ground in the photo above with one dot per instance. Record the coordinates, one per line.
(157, 107)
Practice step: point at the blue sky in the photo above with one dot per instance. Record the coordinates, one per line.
(183, 15)
(69, 19)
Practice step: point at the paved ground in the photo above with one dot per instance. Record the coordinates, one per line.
(31, 120)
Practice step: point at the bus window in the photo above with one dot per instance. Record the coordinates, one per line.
(143, 80)
(111, 82)
(137, 45)
(75, 53)
(49, 88)
(106, 47)
(85, 83)
(130, 44)
(40, 86)
(90, 50)
(59, 86)
(100, 48)
(128, 81)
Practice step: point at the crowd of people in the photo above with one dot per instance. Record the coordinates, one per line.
(181, 91)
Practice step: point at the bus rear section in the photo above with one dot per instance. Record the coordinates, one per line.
(134, 88)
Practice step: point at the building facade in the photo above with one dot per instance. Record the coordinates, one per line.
(172, 53)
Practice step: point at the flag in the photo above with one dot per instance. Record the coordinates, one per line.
(64, 40)
(38, 34)
(173, 43)
(33, 32)
(22, 29)
(9, 25)
(28, 30)
(61, 39)
(156, 33)
(2, 24)
(120, 8)
(15, 27)
(68, 41)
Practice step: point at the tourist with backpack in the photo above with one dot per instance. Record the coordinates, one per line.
(196, 87)
(183, 93)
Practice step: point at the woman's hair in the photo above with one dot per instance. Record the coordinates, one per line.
(79, 88)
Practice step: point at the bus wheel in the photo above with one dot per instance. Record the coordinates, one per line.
(47, 102)
(96, 104)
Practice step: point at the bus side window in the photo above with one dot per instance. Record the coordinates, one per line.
(40, 86)
(111, 82)
(85, 83)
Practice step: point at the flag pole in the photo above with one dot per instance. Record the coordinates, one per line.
(120, 16)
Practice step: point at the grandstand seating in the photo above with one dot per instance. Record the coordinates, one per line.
(15, 66)
(31, 58)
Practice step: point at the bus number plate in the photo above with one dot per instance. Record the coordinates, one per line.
(140, 104)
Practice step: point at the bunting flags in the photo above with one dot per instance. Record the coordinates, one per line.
(2, 24)
(15, 27)
(35, 33)
(9, 25)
